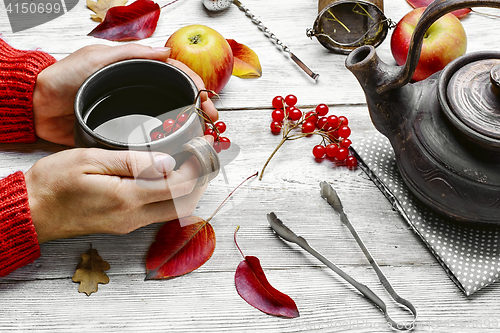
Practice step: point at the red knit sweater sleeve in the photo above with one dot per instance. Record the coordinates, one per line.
(18, 73)
(18, 239)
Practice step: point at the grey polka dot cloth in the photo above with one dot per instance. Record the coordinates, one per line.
(469, 254)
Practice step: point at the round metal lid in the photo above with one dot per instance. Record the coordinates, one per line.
(473, 94)
(344, 25)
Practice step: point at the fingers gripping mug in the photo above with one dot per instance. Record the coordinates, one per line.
(122, 105)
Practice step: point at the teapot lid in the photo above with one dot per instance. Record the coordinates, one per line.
(473, 95)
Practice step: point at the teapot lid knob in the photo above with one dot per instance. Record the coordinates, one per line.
(495, 78)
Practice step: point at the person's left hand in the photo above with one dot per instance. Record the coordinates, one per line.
(57, 85)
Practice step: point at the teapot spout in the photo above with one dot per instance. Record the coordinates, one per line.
(372, 73)
(383, 85)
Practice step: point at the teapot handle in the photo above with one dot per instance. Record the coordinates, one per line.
(432, 13)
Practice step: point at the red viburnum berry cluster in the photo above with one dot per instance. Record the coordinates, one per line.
(169, 126)
(334, 131)
(172, 125)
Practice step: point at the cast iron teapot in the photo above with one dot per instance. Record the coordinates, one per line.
(445, 130)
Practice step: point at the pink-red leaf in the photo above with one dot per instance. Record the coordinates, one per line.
(125, 23)
(424, 3)
(253, 287)
(180, 249)
(246, 62)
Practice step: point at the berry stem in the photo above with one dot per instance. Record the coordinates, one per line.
(168, 4)
(270, 157)
(223, 202)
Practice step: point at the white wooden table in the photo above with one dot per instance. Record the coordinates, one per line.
(41, 296)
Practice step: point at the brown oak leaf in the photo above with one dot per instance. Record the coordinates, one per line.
(100, 8)
(90, 272)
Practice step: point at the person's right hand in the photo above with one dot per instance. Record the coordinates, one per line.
(88, 190)
(57, 85)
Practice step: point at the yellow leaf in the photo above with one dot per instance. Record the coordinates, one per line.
(89, 272)
(246, 61)
(100, 7)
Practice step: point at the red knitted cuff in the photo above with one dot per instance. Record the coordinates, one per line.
(18, 73)
(18, 239)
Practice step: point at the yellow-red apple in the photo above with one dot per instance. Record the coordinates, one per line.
(206, 52)
(444, 41)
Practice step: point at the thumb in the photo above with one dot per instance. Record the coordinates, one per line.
(134, 51)
(131, 163)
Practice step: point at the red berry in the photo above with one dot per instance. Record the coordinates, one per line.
(346, 143)
(334, 135)
(167, 125)
(295, 114)
(225, 143)
(333, 121)
(211, 132)
(351, 162)
(278, 115)
(332, 150)
(221, 126)
(290, 100)
(342, 153)
(156, 136)
(311, 117)
(308, 127)
(322, 109)
(323, 123)
(275, 127)
(343, 121)
(217, 146)
(288, 109)
(278, 102)
(182, 118)
(175, 127)
(344, 131)
(319, 151)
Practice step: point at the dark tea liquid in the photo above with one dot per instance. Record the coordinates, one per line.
(130, 114)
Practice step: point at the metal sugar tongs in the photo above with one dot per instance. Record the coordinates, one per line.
(329, 194)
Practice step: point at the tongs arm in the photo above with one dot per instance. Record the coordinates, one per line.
(328, 193)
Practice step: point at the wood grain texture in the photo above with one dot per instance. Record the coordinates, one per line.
(40, 297)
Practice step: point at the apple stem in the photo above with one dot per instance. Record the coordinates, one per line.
(195, 39)
(223, 202)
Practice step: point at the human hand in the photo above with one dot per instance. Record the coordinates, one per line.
(88, 190)
(57, 85)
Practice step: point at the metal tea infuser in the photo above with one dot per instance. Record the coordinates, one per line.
(219, 5)
(343, 25)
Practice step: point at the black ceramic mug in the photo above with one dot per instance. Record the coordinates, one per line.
(121, 105)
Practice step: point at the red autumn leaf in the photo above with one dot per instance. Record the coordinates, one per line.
(180, 249)
(424, 3)
(252, 285)
(125, 23)
(246, 62)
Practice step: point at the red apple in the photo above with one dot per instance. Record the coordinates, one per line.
(444, 41)
(206, 52)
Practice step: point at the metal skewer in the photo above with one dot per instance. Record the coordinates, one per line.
(218, 5)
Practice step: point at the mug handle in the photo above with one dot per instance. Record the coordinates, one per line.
(206, 155)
